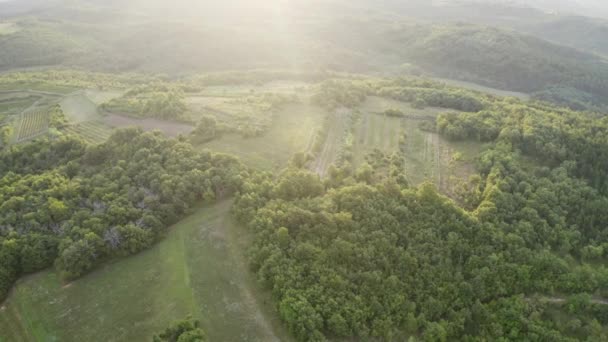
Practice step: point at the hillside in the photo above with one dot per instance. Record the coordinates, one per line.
(508, 60)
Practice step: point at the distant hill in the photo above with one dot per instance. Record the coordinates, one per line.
(507, 59)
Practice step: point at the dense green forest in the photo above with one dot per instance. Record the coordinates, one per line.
(367, 256)
(74, 206)
(335, 169)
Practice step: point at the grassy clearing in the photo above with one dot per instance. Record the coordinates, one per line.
(484, 89)
(93, 132)
(290, 132)
(8, 28)
(32, 124)
(198, 268)
(333, 142)
(430, 157)
(79, 108)
(376, 104)
(99, 97)
(169, 128)
(284, 87)
(376, 131)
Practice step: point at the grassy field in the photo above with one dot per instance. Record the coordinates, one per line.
(93, 132)
(99, 97)
(376, 131)
(197, 269)
(428, 157)
(32, 124)
(338, 128)
(291, 131)
(8, 28)
(79, 108)
(484, 89)
(375, 104)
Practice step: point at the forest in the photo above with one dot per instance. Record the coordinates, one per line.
(73, 206)
(358, 255)
(303, 170)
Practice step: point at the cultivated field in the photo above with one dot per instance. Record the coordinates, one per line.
(8, 28)
(169, 128)
(428, 157)
(93, 132)
(32, 124)
(376, 131)
(199, 269)
(99, 97)
(376, 104)
(339, 122)
(291, 131)
(79, 108)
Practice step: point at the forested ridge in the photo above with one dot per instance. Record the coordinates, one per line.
(363, 254)
(75, 206)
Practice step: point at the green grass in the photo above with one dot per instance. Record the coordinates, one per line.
(93, 132)
(197, 269)
(376, 131)
(79, 108)
(99, 97)
(376, 104)
(290, 132)
(484, 89)
(8, 28)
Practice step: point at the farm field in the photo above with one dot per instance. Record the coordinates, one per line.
(376, 104)
(79, 108)
(99, 97)
(198, 268)
(430, 157)
(291, 131)
(333, 141)
(376, 131)
(93, 132)
(169, 128)
(284, 87)
(32, 124)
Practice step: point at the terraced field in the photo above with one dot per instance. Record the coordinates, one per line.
(93, 132)
(377, 105)
(32, 124)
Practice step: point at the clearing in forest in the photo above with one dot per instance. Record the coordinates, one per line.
(99, 97)
(199, 269)
(334, 141)
(169, 128)
(291, 131)
(375, 131)
(484, 89)
(377, 105)
(7, 28)
(79, 108)
(93, 132)
(33, 123)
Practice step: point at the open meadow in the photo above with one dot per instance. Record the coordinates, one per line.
(199, 269)
(291, 131)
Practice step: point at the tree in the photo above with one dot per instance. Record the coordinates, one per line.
(187, 330)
